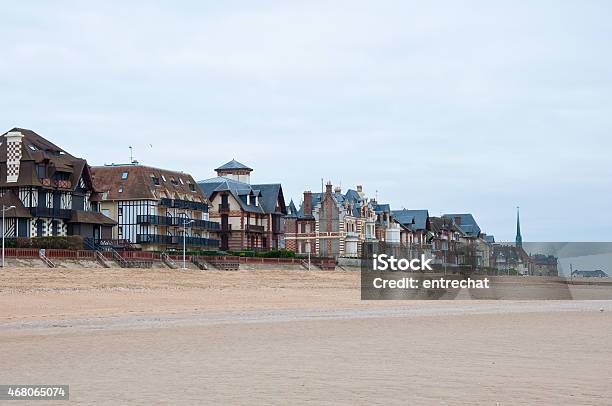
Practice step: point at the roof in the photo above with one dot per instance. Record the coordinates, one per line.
(90, 217)
(139, 182)
(269, 194)
(37, 150)
(467, 223)
(292, 211)
(591, 274)
(418, 217)
(271, 197)
(10, 199)
(233, 164)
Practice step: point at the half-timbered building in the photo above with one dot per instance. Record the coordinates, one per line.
(45, 191)
(154, 208)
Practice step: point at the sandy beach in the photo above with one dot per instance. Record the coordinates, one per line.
(291, 337)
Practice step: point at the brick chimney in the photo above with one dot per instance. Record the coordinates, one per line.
(308, 203)
(13, 155)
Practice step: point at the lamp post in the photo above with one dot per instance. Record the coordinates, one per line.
(185, 223)
(4, 210)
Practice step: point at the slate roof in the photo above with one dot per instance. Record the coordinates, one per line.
(419, 217)
(292, 211)
(268, 194)
(271, 193)
(467, 224)
(233, 164)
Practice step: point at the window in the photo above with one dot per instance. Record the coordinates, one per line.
(192, 187)
(41, 171)
(61, 175)
(33, 147)
(124, 175)
(164, 178)
(155, 181)
(181, 180)
(54, 228)
(120, 231)
(120, 211)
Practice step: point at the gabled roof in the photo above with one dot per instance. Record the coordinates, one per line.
(292, 211)
(418, 218)
(271, 196)
(239, 190)
(233, 164)
(467, 223)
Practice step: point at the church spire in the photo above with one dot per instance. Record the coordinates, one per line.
(519, 238)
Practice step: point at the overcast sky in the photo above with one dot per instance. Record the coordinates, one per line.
(477, 107)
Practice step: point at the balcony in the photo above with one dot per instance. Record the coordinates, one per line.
(224, 208)
(153, 239)
(206, 225)
(51, 213)
(184, 204)
(254, 229)
(226, 228)
(154, 220)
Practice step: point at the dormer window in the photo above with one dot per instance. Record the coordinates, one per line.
(164, 178)
(124, 175)
(192, 187)
(155, 181)
(181, 180)
(33, 147)
(120, 189)
(41, 171)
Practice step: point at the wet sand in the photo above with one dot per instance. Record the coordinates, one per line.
(174, 337)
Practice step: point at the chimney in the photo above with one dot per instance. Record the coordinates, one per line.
(338, 189)
(359, 188)
(13, 155)
(308, 203)
(328, 188)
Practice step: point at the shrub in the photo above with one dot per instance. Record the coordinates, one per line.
(73, 242)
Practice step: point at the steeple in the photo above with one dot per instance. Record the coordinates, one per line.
(519, 238)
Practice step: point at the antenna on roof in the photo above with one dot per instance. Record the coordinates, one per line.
(132, 160)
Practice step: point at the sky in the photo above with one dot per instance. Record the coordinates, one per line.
(449, 106)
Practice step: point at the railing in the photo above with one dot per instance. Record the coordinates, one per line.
(226, 227)
(46, 260)
(64, 214)
(153, 239)
(184, 204)
(207, 225)
(153, 219)
(254, 228)
(224, 208)
(175, 240)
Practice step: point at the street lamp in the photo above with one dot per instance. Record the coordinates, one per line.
(4, 210)
(185, 223)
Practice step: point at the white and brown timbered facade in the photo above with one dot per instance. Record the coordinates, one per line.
(154, 208)
(46, 191)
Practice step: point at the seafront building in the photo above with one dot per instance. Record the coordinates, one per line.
(154, 208)
(333, 224)
(251, 215)
(49, 191)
